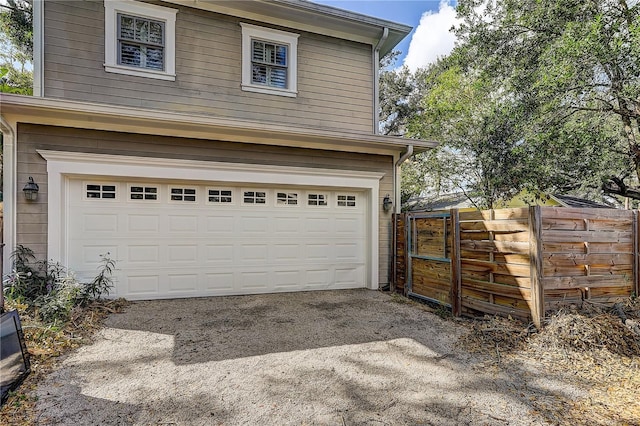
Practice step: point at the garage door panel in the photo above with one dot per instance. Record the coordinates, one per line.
(141, 285)
(219, 253)
(219, 282)
(287, 225)
(182, 253)
(223, 225)
(183, 223)
(254, 225)
(317, 225)
(348, 251)
(286, 252)
(182, 283)
(166, 249)
(348, 226)
(143, 254)
(348, 277)
(100, 222)
(148, 223)
(91, 254)
(286, 279)
(254, 280)
(251, 253)
(318, 251)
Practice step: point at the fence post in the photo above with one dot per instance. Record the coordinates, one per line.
(456, 284)
(636, 279)
(535, 252)
(408, 249)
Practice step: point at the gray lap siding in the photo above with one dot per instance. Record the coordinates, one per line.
(335, 83)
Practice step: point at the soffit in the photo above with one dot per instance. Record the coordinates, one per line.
(84, 115)
(311, 17)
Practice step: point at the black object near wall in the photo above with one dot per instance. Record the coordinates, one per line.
(14, 358)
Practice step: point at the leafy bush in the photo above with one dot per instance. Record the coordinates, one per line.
(50, 289)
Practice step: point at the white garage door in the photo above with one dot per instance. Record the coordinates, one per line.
(182, 239)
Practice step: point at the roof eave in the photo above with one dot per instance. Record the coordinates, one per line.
(87, 115)
(311, 17)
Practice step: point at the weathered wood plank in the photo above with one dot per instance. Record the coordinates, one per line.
(516, 225)
(515, 213)
(591, 281)
(536, 267)
(636, 253)
(559, 236)
(579, 224)
(437, 294)
(499, 268)
(594, 214)
(593, 247)
(571, 259)
(498, 289)
(509, 237)
(491, 308)
(456, 266)
(513, 281)
(608, 292)
(495, 246)
(577, 270)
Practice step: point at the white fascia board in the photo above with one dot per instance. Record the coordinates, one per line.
(63, 165)
(86, 115)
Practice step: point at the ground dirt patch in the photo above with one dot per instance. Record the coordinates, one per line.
(336, 357)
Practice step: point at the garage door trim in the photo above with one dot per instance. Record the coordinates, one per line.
(63, 165)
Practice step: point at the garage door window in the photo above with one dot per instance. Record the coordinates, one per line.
(144, 193)
(183, 194)
(220, 196)
(317, 200)
(346, 201)
(287, 199)
(254, 197)
(100, 191)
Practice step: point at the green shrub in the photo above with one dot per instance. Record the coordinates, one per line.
(50, 289)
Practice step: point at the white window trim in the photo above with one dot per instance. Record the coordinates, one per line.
(219, 188)
(290, 39)
(62, 166)
(286, 205)
(85, 190)
(143, 200)
(267, 197)
(346, 194)
(327, 198)
(183, 188)
(159, 13)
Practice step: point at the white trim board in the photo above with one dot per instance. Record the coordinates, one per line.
(63, 165)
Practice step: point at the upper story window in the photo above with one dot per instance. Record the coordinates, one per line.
(140, 39)
(269, 61)
(140, 42)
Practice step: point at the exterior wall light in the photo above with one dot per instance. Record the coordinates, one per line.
(387, 203)
(31, 190)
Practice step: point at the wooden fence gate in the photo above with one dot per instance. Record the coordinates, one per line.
(432, 248)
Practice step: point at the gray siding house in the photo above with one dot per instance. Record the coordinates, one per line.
(210, 147)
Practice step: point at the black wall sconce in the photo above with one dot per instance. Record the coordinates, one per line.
(31, 190)
(387, 203)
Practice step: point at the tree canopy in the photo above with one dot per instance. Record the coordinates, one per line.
(537, 94)
(16, 47)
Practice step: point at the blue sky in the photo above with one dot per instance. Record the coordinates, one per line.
(431, 20)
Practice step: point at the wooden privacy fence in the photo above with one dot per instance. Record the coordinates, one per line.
(521, 262)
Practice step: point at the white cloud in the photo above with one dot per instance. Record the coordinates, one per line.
(432, 38)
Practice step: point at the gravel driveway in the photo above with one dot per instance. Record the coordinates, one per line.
(327, 358)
